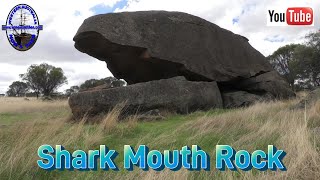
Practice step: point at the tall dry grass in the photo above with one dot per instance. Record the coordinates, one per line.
(293, 130)
(19, 142)
(20, 105)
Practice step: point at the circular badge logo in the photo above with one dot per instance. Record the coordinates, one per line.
(22, 27)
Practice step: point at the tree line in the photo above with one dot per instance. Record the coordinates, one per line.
(45, 79)
(108, 82)
(299, 64)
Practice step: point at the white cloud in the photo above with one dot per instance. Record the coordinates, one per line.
(54, 45)
(61, 19)
(251, 14)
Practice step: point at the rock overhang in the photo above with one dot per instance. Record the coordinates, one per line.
(160, 45)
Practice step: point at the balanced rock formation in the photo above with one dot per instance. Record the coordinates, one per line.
(152, 45)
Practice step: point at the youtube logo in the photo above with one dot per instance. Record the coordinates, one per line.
(293, 16)
(299, 16)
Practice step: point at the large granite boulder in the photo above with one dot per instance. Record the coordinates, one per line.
(175, 94)
(152, 45)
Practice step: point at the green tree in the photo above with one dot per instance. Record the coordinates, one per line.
(299, 64)
(284, 61)
(114, 82)
(313, 61)
(91, 83)
(118, 83)
(17, 89)
(44, 78)
(303, 67)
(72, 90)
(108, 81)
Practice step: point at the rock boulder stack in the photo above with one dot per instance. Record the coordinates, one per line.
(205, 66)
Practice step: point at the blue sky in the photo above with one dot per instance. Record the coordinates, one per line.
(245, 9)
(275, 38)
(102, 9)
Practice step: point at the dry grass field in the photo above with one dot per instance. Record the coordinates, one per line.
(26, 125)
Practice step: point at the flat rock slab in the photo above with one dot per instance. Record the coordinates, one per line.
(175, 94)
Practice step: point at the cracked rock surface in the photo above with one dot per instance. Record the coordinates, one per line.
(174, 94)
(146, 46)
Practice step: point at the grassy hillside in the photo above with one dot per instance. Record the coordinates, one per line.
(26, 125)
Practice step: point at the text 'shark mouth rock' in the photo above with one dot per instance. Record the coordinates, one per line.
(152, 45)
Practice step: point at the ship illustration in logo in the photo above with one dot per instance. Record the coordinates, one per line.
(22, 37)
